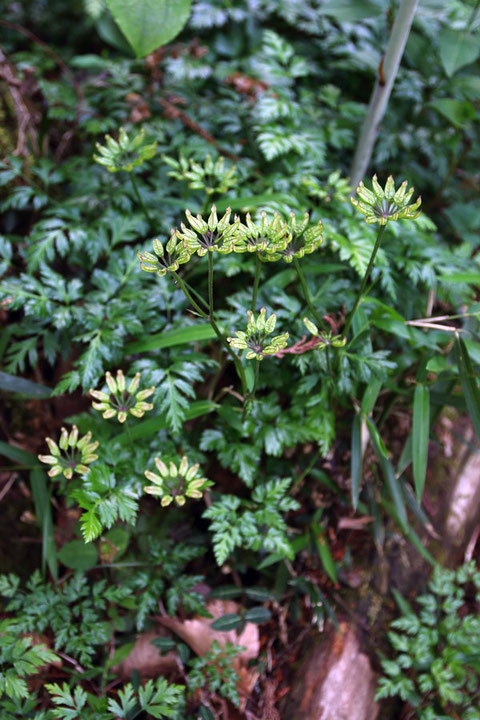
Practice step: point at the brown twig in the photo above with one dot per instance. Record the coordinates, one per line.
(26, 120)
(48, 51)
(8, 485)
(61, 63)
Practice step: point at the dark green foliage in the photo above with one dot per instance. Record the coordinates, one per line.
(257, 524)
(256, 108)
(214, 671)
(437, 664)
(19, 657)
(73, 612)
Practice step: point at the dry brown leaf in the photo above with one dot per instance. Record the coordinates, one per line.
(146, 658)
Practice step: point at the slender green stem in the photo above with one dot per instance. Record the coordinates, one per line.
(210, 285)
(256, 283)
(129, 435)
(304, 474)
(364, 281)
(140, 201)
(251, 395)
(190, 299)
(206, 205)
(327, 355)
(306, 294)
(197, 294)
(255, 379)
(238, 365)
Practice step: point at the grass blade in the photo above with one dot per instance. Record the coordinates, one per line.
(22, 457)
(469, 383)
(356, 461)
(393, 484)
(15, 384)
(152, 426)
(370, 395)
(420, 435)
(170, 338)
(324, 552)
(43, 511)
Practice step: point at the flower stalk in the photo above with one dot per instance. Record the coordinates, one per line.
(216, 329)
(306, 294)
(361, 293)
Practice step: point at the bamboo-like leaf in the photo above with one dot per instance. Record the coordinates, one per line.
(15, 384)
(252, 201)
(324, 552)
(409, 532)
(22, 457)
(420, 434)
(375, 435)
(43, 511)
(356, 459)
(388, 471)
(170, 338)
(370, 396)
(152, 426)
(469, 383)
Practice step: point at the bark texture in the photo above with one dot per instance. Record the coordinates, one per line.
(334, 681)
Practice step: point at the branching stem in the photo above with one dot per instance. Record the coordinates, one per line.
(238, 365)
(210, 285)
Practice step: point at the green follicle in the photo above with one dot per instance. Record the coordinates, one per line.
(73, 455)
(174, 483)
(124, 397)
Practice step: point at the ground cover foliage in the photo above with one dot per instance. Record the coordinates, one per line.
(210, 362)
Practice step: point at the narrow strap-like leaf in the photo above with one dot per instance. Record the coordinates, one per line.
(469, 383)
(420, 433)
(393, 484)
(43, 511)
(356, 459)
